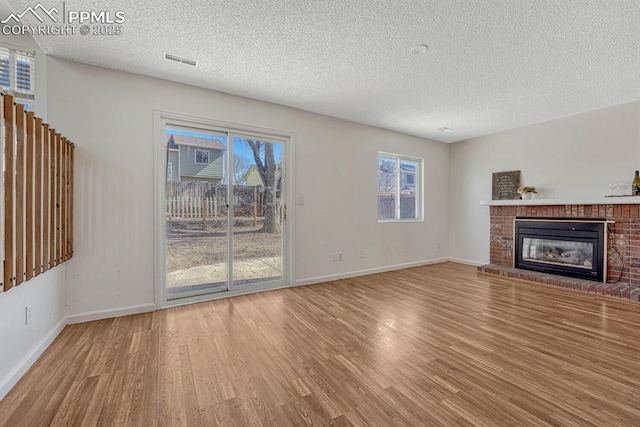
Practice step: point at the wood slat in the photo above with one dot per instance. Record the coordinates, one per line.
(20, 273)
(46, 198)
(58, 194)
(2, 213)
(38, 183)
(71, 199)
(63, 200)
(29, 196)
(69, 196)
(52, 198)
(9, 169)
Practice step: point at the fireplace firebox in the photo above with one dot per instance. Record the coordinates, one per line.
(573, 248)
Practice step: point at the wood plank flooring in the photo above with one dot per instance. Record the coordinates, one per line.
(426, 346)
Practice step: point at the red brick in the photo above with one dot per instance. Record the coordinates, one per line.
(634, 294)
(617, 211)
(617, 290)
(625, 211)
(609, 211)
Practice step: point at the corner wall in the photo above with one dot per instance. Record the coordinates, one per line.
(568, 158)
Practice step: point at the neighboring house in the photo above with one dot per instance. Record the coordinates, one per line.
(407, 178)
(252, 177)
(191, 158)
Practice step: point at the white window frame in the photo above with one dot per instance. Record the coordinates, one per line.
(23, 97)
(418, 186)
(202, 151)
(169, 171)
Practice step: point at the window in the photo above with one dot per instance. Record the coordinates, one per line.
(409, 179)
(202, 157)
(17, 75)
(399, 192)
(169, 171)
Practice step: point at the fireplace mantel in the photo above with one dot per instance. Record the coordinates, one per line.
(629, 200)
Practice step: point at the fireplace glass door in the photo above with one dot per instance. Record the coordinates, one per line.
(558, 252)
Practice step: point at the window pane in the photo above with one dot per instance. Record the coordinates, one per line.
(386, 188)
(5, 79)
(408, 190)
(202, 157)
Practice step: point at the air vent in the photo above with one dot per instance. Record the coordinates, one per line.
(189, 61)
(177, 58)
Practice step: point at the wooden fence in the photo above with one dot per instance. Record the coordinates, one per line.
(202, 200)
(387, 206)
(36, 209)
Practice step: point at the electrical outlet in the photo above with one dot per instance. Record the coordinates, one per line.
(28, 314)
(439, 245)
(334, 258)
(340, 256)
(361, 254)
(300, 200)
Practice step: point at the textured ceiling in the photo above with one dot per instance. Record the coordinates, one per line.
(490, 66)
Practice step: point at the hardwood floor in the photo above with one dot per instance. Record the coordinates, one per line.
(434, 345)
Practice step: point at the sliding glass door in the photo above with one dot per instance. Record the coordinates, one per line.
(225, 212)
(259, 211)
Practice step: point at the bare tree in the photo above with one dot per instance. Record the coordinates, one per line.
(267, 167)
(386, 176)
(240, 168)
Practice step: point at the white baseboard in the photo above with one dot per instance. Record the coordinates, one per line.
(330, 277)
(21, 368)
(107, 314)
(467, 262)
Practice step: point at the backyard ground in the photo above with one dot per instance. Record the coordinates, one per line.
(196, 249)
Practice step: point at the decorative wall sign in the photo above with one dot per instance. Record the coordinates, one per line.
(505, 185)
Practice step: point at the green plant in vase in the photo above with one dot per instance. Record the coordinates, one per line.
(527, 192)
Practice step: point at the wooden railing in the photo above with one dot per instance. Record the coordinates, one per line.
(36, 212)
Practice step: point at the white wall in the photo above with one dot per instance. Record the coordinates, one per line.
(21, 344)
(109, 115)
(565, 158)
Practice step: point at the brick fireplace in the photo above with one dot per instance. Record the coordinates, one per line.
(623, 245)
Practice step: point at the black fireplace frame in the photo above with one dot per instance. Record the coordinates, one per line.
(591, 230)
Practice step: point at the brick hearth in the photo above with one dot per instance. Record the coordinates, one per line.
(623, 265)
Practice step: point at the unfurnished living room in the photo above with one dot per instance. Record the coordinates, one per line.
(331, 212)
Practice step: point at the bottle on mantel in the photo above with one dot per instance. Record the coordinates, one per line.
(635, 186)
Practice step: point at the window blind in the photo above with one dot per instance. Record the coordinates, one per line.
(17, 70)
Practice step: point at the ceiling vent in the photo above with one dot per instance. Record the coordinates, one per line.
(177, 58)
